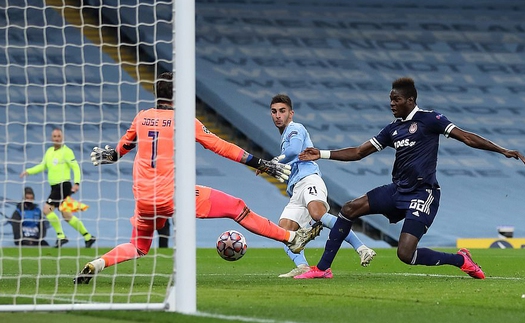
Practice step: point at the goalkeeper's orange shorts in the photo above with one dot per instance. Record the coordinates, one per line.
(151, 218)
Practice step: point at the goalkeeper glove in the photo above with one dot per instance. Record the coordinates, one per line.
(106, 155)
(275, 169)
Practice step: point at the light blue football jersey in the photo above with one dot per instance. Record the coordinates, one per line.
(294, 140)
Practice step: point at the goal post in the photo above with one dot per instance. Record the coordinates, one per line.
(185, 224)
(87, 67)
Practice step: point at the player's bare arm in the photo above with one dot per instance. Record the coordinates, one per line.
(345, 154)
(475, 141)
(514, 154)
(310, 153)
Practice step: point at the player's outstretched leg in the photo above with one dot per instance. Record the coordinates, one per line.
(366, 254)
(139, 247)
(303, 236)
(469, 266)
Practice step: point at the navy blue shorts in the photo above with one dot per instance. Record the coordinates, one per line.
(420, 205)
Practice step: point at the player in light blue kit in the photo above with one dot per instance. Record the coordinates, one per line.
(306, 188)
(414, 192)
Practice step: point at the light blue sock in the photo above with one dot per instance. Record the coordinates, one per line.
(328, 221)
(297, 258)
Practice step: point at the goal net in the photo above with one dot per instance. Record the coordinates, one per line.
(86, 67)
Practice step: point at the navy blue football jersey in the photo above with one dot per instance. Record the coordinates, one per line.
(416, 141)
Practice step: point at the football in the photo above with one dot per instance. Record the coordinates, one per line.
(231, 245)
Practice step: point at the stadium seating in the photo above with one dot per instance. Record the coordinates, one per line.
(337, 61)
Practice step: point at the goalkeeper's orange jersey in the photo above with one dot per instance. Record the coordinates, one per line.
(152, 131)
(153, 168)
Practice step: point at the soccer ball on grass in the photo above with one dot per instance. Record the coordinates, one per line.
(231, 245)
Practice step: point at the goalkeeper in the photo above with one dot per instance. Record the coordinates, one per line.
(59, 161)
(152, 131)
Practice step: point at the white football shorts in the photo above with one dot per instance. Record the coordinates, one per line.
(310, 188)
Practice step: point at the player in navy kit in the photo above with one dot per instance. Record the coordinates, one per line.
(414, 192)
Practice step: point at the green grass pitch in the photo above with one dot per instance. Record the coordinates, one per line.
(249, 290)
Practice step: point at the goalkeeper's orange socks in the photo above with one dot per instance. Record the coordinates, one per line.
(99, 264)
(79, 226)
(55, 223)
(120, 253)
(264, 227)
(139, 246)
(222, 205)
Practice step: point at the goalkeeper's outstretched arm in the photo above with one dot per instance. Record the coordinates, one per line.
(231, 151)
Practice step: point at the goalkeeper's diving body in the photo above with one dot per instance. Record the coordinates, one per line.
(152, 132)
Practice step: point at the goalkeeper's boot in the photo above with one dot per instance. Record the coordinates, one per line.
(303, 236)
(315, 272)
(60, 242)
(366, 254)
(90, 242)
(85, 275)
(469, 266)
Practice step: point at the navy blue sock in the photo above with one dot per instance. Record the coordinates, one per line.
(335, 239)
(429, 257)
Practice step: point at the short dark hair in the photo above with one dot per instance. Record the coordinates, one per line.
(164, 87)
(406, 86)
(28, 190)
(282, 98)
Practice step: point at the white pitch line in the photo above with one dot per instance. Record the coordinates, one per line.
(439, 275)
(384, 274)
(240, 318)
